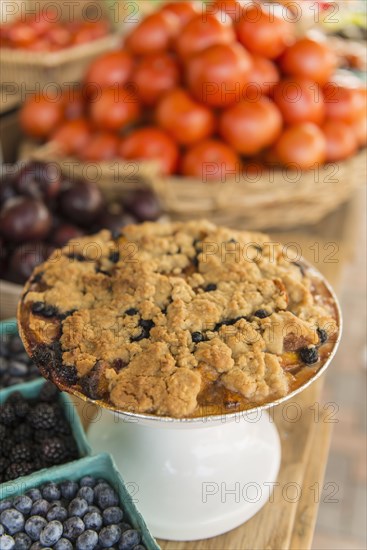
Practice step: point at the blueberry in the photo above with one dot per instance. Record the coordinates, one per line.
(210, 287)
(93, 520)
(12, 520)
(2, 530)
(87, 494)
(63, 544)
(262, 313)
(323, 336)
(4, 505)
(34, 494)
(38, 307)
(69, 489)
(23, 504)
(73, 527)
(40, 507)
(132, 311)
(139, 547)
(107, 497)
(124, 527)
(114, 514)
(34, 526)
(93, 509)
(109, 535)
(22, 541)
(309, 355)
(56, 512)
(114, 257)
(37, 546)
(78, 507)
(51, 491)
(51, 533)
(4, 365)
(87, 540)
(88, 481)
(129, 539)
(16, 368)
(7, 542)
(197, 337)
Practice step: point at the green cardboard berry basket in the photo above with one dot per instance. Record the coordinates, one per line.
(99, 466)
(9, 328)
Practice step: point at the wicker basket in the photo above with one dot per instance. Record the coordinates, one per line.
(23, 71)
(275, 199)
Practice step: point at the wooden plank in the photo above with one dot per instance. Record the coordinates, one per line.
(305, 521)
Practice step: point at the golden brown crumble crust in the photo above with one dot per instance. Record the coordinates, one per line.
(153, 320)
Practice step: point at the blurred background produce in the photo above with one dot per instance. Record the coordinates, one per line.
(236, 86)
(41, 209)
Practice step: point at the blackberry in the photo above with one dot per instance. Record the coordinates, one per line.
(309, 355)
(3, 464)
(6, 447)
(41, 435)
(62, 426)
(54, 450)
(22, 433)
(49, 393)
(22, 452)
(43, 416)
(19, 469)
(21, 408)
(7, 414)
(3, 432)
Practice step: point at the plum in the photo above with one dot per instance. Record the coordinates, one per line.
(82, 203)
(24, 219)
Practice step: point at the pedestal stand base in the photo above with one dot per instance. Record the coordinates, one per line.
(197, 482)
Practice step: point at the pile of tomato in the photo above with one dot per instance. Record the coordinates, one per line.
(44, 31)
(206, 91)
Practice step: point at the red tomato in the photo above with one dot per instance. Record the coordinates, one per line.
(342, 103)
(210, 160)
(40, 45)
(183, 118)
(264, 75)
(101, 146)
(155, 33)
(309, 59)
(151, 143)
(217, 75)
(39, 117)
(263, 33)
(98, 29)
(114, 109)
(74, 104)
(251, 126)
(112, 68)
(84, 35)
(42, 20)
(359, 127)
(154, 75)
(202, 32)
(59, 36)
(300, 100)
(341, 141)
(233, 8)
(301, 146)
(21, 35)
(72, 136)
(185, 11)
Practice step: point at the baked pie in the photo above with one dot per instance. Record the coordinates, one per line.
(177, 319)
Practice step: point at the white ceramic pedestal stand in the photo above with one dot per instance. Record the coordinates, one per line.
(195, 479)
